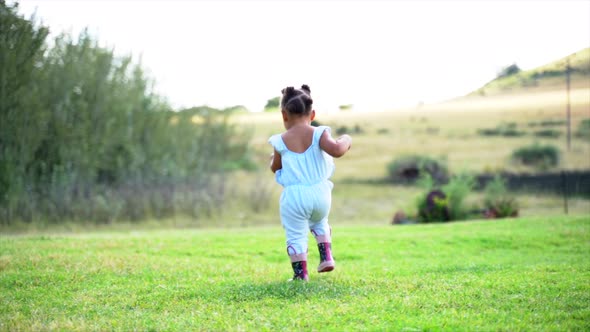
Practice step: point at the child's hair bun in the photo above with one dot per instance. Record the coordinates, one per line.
(296, 101)
(288, 92)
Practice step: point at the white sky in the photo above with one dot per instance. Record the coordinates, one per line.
(373, 54)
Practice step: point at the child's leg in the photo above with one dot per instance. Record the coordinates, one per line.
(296, 233)
(295, 224)
(320, 228)
(323, 235)
(299, 265)
(297, 251)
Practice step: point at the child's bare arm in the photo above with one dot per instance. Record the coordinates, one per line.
(335, 147)
(275, 161)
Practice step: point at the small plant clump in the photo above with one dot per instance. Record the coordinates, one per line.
(548, 133)
(447, 202)
(408, 169)
(349, 130)
(547, 123)
(503, 129)
(434, 207)
(444, 203)
(498, 203)
(383, 131)
(538, 156)
(583, 130)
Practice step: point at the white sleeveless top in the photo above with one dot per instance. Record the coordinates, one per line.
(310, 167)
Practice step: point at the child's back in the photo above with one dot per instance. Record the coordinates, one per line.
(303, 164)
(298, 139)
(303, 161)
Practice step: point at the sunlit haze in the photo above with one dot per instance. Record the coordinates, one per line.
(375, 55)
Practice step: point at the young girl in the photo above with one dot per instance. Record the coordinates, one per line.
(302, 163)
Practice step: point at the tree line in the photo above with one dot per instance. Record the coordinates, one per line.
(84, 137)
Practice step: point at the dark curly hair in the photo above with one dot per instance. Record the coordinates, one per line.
(296, 101)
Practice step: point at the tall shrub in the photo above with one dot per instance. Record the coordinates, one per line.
(409, 169)
(84, 137)
(22, 115)
(498, 202)
(539, 156)
(444, 203)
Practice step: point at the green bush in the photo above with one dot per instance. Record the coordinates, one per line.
(83, 136)
(272, 104)
(346, 130)
(551, 123)
(498, 202)
(457, 190)
(548, 133)
(433, 207)
(446, 203)
(583, 130)
(503, 129)
(383, 131)
(538, 156)
(408, 169)
(510, 70)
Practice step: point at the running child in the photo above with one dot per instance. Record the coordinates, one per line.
(303, 164)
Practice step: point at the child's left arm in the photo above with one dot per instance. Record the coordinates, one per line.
(335, 147)
(275, 161)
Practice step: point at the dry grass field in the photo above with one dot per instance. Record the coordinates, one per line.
(447, 131)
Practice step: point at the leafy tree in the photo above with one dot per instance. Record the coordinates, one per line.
(510, 70)
(272, 104)
(84, 137)
(22, 116)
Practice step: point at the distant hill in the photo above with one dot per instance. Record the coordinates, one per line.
(547, 77)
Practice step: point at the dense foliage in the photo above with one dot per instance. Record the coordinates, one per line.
(84, 137)
(409, 168)
(272, 104)
(443, 202)
(509, 70)
(583, 130)
(498, 202)
(537, 155)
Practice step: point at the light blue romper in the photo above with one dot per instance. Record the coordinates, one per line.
(307, 195)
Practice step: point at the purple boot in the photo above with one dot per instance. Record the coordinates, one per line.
(327, 263)
(299, 265)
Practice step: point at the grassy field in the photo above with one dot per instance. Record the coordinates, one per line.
(528, 274)
(228, 271)
(362, 195)
(447, 131)
(547, 77)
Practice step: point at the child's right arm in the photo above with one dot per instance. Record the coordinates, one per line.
(335, 147)
(276, 162)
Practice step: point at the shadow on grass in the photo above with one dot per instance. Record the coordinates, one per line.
(280, 290)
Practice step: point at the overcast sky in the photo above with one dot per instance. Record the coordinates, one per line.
(373, 54)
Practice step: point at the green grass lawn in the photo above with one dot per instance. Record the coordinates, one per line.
(521, 274)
